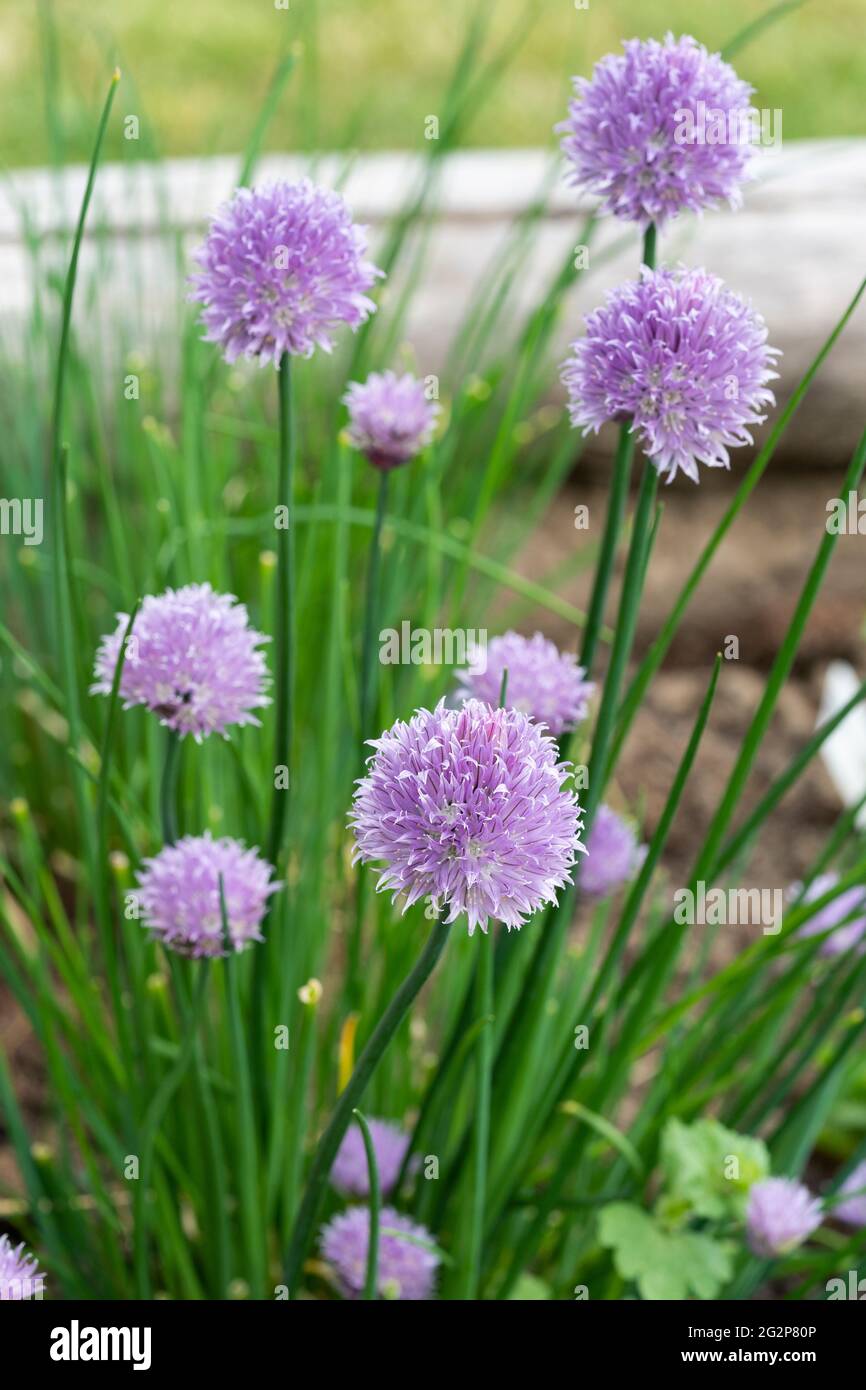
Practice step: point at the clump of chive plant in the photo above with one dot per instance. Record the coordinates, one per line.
(633, 132)
(480, 1220)
(391, 419)
(179, 894)
(20, 1276)
(468, 809)
(407, 1262)
(613, 854)
(781, 1214)
(682, 358)
(350, 1174)
(543, 682)
(192, 658)
(282, 267)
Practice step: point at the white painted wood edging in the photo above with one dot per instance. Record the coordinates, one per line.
(797, 248)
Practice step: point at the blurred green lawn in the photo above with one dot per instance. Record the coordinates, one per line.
(196, 70)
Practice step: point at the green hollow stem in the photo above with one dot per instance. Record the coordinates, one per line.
(251, 1207)
(109, 948)
(72, 273)
(481, 1134)
(284, 645)
(616, 504)
(218, 1175)
(285, 1170)
(374, 1205)
(632, 586)
(284, 621)
(354, 981)
(607, 554)
(751, 31)
(64, 612)
(282, 73)
(105, 750)
(150, 1128)
(168, 789)
(370, 613)
(484, 987)
(351, 1096)
(367, 704)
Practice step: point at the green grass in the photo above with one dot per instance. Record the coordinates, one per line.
(196, 71)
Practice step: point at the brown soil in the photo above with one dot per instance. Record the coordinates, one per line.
(750, 592)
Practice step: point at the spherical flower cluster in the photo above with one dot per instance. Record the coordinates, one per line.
(390, 418)
(406, 1268)
(179, 894)
(853, 1209)
(850, 903)
(20, 1276)
(543, 682)
(681, 356)
(658, 129)
(282, 267)
(613, 854)
(468, 808)
(781, 1214)
(350, 1173)
(192, 658)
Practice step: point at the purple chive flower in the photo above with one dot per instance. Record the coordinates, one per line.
(350, 1173)
(543, 682)
(681, 356)
(390, 418)
(660, 128)
(853, 1210)
(282, 267)
(178, 892)
(20, 1276)
(468, 808)
(192, 658)
(851, 936)
(407, 1269)
(781, 1214)
(613, 854)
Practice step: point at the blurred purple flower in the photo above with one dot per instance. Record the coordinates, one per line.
(468, 807)
(179, 894)
(853, 1210)
(407, 1270)
(20, 1276)
(635, 134)
(192, 658)
(282, 267)
(350, 1173)
(781, 1214)
(681, 356)
(849, 937)
(613, 854)
(543, 682)
(390, 418)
